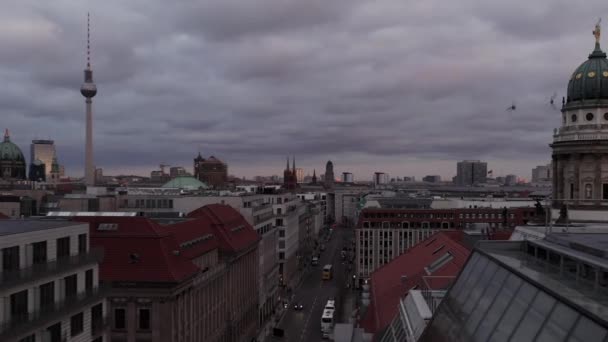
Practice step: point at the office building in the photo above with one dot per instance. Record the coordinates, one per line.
(329, 177)
(43, 151)
(471, 172)
(383, 234)
(300, 175)
(49, 282)
(510, 180)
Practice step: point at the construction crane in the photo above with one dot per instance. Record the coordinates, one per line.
(162, 167)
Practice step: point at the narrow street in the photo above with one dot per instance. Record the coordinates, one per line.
(305, 325)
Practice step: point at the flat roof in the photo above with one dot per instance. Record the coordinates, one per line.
(595, 244)
(11, 227)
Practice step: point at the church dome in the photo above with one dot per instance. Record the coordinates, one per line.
(590, 80)
(10, 151)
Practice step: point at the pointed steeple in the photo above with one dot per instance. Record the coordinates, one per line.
(287, 168)
(294, 165)
(7, 136)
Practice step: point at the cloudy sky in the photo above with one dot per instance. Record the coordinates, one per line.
(404, 87)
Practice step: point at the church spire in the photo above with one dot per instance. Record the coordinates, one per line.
(294, 165)
(287, 168)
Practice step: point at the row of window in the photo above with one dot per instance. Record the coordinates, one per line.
(10, 255)
(143, 319)
(588, 117)
(589, 191)
(437, 215)
(154, 203)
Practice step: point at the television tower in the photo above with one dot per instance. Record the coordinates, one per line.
(88, 90)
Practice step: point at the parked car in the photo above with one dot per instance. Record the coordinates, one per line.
(315, 261)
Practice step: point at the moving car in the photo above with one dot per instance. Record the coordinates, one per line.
(298, 306)
(314, 261)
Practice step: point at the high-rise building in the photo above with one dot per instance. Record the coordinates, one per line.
(541, 173)
(471, 172)
(380, 178)
(329, 175)
(44, 151)
(89, 90)
(177, 171)
(347, 177)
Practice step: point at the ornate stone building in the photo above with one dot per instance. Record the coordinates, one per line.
(290, 178)
(211, 171)
(12, 162)
(580, 145)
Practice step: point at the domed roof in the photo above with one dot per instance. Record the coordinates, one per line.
(590, 80)
(186, 183)
(10, 151)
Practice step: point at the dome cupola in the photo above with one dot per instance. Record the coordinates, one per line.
(10, 151)
(590, 80)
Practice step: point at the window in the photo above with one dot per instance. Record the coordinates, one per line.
(63, 247)
(120, 318)
(144, 319)
(279, 211)
(88, 280)
(19, 304)
(605, 191)
(82, 243)
(47, 296)
(279, 222)
(281, 256)
(281, 232)
(39, 252)
(589, 116)
(588, 191)
(573, 118)
(10, 258)
(571, 190)
(71, 283)
(605, 116)
(96, 318)
(76, 324)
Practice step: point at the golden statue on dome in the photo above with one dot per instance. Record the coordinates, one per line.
(598, 31)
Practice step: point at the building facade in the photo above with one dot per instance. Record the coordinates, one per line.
(432, 178)
(49, 283)
(471, 172)
(211, 171)
(541, 173)
(383, 234)
(44, 151)
(329, 177)
(12, 162)
(186, 280)
(347, 177)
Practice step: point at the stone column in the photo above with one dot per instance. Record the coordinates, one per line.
(597, 179)
(576, 160)
(555, 181)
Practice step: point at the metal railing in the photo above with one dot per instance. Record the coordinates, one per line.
(31, 320)
(37, 271)
(261, 207)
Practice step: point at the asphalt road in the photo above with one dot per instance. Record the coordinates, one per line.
(305, 325)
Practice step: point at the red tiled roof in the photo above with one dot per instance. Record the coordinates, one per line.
(187, 232)
(387, 286)
(140, 250)
(234, 233)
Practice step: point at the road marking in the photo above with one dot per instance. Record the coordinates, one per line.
(314, 303)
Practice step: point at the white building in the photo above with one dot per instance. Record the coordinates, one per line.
(49, 282)
(541, 173)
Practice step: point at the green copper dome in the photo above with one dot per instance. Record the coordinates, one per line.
(590, 80)
(10, 151)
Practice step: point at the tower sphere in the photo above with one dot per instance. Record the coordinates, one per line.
(88, 90)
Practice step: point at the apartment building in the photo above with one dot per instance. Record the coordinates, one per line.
(49, 283)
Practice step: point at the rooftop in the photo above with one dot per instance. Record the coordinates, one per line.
(10, 227)
(565, 283)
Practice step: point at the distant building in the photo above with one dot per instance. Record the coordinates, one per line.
(37, 171)
(347, 177)
(380, 178)
(432, 179)
(98, 175)
(177, 171)
(300, 175)
(290, 178)
(409, 179)
(510, 179)
(44, 151)
(12, 162)
(541, 173)
(50, 282)
(211, 171)
(329, 177)
(471, 172)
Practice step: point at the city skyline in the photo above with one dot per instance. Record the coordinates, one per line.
(373, 83)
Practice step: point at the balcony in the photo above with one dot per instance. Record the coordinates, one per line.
(261, 207)
(43, 316)
(261, 218)
(10, 279)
